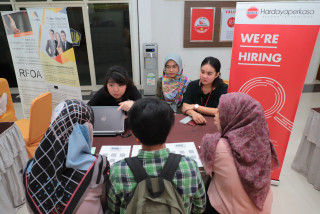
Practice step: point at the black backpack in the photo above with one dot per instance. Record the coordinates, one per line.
(155, 195)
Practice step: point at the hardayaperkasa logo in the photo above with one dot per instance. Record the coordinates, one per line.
(252, 12)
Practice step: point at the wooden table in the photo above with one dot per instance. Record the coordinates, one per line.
(307, 159)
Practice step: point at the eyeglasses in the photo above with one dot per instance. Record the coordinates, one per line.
(168, 67)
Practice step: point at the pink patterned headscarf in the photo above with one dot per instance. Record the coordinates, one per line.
(174, 88)
(245, 128)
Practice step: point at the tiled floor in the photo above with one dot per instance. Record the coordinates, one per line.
(294, 194)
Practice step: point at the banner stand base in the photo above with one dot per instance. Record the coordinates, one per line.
(275, 182)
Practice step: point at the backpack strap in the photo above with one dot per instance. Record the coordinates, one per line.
(167, 173)
(140, 174)
(170, 166)
(137, 169)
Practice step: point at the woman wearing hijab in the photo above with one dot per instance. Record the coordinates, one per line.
(63, 176)
(239, 157)
(172, 85)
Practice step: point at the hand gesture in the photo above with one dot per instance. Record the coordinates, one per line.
(13, 25)
(198, 118)
(125, 105)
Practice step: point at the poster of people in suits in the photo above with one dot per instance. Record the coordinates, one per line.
(42, 54)
(57, 43)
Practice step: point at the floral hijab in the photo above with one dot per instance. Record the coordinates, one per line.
(58, 177)
(173, 88)
(245, 128)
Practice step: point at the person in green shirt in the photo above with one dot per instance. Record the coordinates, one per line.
(151, 120)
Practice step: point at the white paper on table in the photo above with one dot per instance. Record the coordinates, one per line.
(187, 149)
(115, 153)
(135, 150)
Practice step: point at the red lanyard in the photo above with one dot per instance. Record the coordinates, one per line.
(207, 98)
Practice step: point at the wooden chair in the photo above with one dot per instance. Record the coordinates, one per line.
(10, 114)
(226, 82)
(33, 129)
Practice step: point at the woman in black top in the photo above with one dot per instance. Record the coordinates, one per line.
(202, 95)
(118, 89)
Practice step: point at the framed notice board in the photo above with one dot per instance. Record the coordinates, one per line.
(208, 23)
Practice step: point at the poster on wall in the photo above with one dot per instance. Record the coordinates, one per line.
(56, 52)
(227, 24)
(42, 54)
(25, 58)
(272, 48)
(202, 23)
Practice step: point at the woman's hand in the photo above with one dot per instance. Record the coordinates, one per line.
(198, 118)
(125, 105)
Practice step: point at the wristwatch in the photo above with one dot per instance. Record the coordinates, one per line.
(196, 106)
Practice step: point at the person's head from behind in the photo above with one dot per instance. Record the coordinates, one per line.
(117, 81)
(65, 117)
(72, 112)
(150, 120)
(239, 111)
(173, 65)
(210, 71)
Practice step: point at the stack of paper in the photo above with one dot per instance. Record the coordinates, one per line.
(187, 149)
(115, 153)
(135, 150)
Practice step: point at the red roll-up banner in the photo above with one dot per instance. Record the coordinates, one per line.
(272, 47)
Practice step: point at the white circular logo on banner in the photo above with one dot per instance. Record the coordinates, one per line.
(202, 25)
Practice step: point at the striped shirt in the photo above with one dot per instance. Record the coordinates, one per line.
(187, 181)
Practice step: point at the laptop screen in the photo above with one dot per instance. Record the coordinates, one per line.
(108, 120)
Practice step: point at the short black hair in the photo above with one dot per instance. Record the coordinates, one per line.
(150, 120)
(63, 32)
(119, 75)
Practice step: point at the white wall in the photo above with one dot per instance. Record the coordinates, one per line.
(162, 22)
(314, 63)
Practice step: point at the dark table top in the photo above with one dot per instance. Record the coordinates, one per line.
(4, 126)
(179, 133)
(316, 109)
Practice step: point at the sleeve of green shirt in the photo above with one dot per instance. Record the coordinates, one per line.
(112, 198)
(199, 200)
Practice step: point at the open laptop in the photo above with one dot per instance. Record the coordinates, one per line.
(108, 120)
